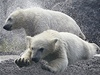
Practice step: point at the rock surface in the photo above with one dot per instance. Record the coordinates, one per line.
(88, 67)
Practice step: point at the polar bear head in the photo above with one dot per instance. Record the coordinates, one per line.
(15, 20)
(42, 46)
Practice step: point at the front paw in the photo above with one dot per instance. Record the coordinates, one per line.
(48, 68)
(21, 62)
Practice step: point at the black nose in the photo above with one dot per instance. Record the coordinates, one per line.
(35, 60)
(7, 27)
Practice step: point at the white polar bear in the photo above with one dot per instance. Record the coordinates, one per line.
(58, 49)
(36, 20)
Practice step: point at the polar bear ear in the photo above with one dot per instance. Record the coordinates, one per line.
(28, 41)
(55, 43)
(54, 40)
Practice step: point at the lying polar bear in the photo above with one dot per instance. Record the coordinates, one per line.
(58, 49)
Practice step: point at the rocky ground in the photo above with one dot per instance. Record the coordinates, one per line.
(88, 67)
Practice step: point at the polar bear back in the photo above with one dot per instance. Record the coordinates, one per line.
(47, 19)
(77, 48)
(53, 20)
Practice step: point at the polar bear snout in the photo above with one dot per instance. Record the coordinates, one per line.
(37, 56)
(35, 59)
(7, 27)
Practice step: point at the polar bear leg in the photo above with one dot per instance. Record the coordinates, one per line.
(57, 65)
(25, 59)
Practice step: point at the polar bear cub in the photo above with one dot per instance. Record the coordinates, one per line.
(36, 20)
(58, 49)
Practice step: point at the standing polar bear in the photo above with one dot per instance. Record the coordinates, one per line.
(36, 20)
(58, 49)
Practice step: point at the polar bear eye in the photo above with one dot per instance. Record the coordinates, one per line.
(41, 49)
(10, 19)
(32, 48)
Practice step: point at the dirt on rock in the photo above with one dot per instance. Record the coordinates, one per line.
(84, 67)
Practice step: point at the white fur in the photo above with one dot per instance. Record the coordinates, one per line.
(36, 20)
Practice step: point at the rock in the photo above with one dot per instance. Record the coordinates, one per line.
(87, 67)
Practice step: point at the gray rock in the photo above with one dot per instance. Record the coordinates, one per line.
(13, 41)
(87, 67)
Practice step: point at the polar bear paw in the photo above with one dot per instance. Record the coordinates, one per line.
(21, 62)
(48, 68)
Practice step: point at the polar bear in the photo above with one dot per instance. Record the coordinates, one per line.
(36, 20)
(57, 49)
